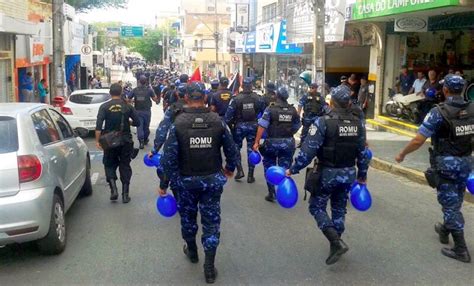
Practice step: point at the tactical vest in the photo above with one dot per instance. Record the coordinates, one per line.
(269, 98)
(199, 133)
(247, 107)
(341, 146)
(142, 99)
(281, 120)
(455, 134)
(314, 104)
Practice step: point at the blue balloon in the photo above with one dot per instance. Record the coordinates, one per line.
(259, 115)
(368, 154)
(470, 183)
(354, 186)
(360, 198)
(287, 193)
(166, 205)
(255, 158)
(154, 161)
(275, 175)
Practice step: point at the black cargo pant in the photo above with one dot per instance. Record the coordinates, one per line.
(119, 157)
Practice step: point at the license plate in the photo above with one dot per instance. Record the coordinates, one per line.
(89, 123)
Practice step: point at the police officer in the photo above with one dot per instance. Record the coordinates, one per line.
(450, 126)
(313, 105)
(116, 114)
(221, 98)
(270, 95)
(338, 140)
(210, 93)
(142, 96)
(243, 111)
(192, 154)
(281, 121)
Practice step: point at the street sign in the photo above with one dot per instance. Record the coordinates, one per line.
(235, 59)
(131, 31)
(86, 55)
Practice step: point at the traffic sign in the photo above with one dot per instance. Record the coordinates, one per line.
(86, 56)
(131, 31)
(235, 59)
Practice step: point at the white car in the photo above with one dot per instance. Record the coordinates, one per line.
(82, 106)
(44, 165)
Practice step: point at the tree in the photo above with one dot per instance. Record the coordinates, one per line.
(151, 45)
(84, 5)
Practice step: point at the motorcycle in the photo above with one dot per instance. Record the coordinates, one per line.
(403, 106)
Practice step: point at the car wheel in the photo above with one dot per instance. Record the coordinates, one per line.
(55, 242)
(87, 187)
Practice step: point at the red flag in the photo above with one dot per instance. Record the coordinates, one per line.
(196, 76)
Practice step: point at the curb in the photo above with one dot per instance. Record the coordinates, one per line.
(410, 174)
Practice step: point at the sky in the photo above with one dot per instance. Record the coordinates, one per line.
(139, 12)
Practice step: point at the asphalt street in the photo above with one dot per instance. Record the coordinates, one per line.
(261, 243)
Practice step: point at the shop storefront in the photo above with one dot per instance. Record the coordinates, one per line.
(422, 36)
(6, 68)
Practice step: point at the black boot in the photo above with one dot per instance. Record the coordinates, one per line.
(250, 178)
(146, 141)
(142, 144)
(210, 271)
(113, 190)
(125, 190)
(240, 172)
(338, 247)
(190, 249)
(442, 232)
(271, 194)
(459, 251)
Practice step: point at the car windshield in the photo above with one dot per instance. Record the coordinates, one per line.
(89, 98)
(9, 138)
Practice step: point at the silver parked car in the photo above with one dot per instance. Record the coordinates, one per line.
(44, 166)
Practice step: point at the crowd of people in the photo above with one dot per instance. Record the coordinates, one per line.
(200, 125)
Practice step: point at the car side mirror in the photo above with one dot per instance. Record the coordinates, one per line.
(81, 132)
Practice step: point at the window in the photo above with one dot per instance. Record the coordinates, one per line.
(9, 138)
(89, 98)
(66, 130)
(269, 13)
(44, 126)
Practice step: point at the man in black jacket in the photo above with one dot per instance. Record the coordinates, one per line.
(116, 114)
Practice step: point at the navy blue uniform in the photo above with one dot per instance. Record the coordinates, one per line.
(335, 181)
(199, 192)
(454, 169)
(313, 106)
(245, 126)
(281, 122)
(220, 101)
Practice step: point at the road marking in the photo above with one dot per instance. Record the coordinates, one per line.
(94, 178)
(411, 126)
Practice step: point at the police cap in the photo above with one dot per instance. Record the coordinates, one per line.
(270, 87)
(183, 78)
(182, 88)
(195, 91)
(224, 81)
(313, 85)
(247, 82)
(214, 83)
(341, 95)
(282, 93)
(454, 83)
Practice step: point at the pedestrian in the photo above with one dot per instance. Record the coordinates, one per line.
(192, 154)
(116, 114)
(43, 91)
(26, 87)
(270, 94)
(418, 83)
(338, 141)
(72, 81)
(450, 126)
(433, 94)
(313, 105)
(242, 113)
(281, 120)
(210, 93)
(221, 98)
(405, 81)
(142, 96)
(363, 96)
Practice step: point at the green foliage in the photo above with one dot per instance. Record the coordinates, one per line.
(84, 5)
(150, 46)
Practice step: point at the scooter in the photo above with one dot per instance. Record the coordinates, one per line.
(403, 106)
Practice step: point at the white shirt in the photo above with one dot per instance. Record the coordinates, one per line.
(418, 85)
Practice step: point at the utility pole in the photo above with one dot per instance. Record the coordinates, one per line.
(319, 48)
(216, 36)
(58, 49)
